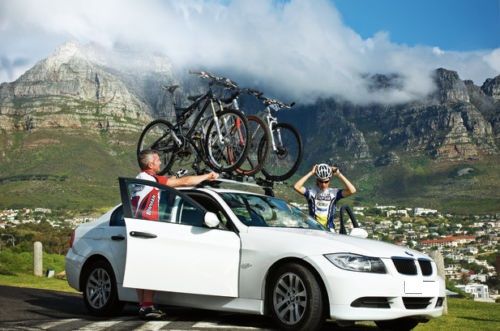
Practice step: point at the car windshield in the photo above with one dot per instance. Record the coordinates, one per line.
(256, 210)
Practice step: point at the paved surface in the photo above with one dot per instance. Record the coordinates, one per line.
(29, 309)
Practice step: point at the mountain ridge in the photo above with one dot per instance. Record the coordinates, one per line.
(79, 100)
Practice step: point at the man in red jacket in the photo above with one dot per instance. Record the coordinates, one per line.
(145, 203)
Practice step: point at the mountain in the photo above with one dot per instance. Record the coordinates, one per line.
(413, 151)
(70, 124)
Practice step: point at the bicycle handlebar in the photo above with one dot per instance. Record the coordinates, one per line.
(223, 81)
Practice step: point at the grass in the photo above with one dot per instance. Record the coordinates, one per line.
(31, 281)
(466, 315)
(16, 269)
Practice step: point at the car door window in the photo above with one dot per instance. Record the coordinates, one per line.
(158, 203)
(191, 215)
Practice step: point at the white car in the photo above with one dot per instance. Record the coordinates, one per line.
(238, 251)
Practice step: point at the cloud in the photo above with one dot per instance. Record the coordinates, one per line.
(297, 49)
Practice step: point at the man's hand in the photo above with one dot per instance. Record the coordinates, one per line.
(313, 171)
(212, 176)
(335, 171)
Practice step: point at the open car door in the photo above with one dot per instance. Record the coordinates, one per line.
(169, 248)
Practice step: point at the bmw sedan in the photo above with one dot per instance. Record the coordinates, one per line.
(237, 251)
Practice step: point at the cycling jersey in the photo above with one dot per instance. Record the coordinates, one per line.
(145, 199)
(322, 204)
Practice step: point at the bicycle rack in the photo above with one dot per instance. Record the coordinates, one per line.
(347, 209)
(237, 179)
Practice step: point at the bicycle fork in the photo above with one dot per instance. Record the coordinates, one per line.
(271, 121)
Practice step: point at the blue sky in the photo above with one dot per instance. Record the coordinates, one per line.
(460, 25)
(304, 49)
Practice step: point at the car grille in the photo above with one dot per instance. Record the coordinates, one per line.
(425, 266)
(371, 302)
(405, 266)
(416, 303)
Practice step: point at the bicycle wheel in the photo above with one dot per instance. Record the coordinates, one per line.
(284, 160)
(157, 135)
(229, 153)
(254, 161)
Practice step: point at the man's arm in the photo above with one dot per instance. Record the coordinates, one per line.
(299, 186)
(349, 189)
(191, 180)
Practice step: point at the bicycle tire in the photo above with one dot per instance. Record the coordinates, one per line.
(155, 136)
(280, 163)
(234, 129)
(254, 161)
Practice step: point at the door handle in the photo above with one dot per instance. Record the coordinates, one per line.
(117, 238)
(142, 234)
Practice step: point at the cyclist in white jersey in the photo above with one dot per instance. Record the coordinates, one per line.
(322, 199)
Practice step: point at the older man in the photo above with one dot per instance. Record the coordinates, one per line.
(145, 201)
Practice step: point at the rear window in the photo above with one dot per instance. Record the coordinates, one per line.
(117, 217)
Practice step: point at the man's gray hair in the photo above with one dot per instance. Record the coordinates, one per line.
(145, 157)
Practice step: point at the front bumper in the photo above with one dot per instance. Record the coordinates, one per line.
(351, 294)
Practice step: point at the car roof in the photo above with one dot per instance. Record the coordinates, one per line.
(218, 190)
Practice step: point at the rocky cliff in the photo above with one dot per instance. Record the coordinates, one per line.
(459, 121)
(70, 90)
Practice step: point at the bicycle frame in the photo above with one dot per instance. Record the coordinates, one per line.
(271, 120)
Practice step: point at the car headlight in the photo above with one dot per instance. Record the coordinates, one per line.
(355, 262)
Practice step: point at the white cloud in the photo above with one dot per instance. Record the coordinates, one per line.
(300, 49)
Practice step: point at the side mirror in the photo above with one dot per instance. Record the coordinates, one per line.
(211, 220)
(358, 232)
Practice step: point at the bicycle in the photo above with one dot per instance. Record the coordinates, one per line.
(220, 142)
(285, 143)
(257, 131)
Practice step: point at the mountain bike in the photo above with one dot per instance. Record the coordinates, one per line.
(285, 144)
(257, 131)
(216, 136)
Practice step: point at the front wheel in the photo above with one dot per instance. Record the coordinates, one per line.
(285, 156)
(158, 135)
(226, 140)
(294, 298)
(100, 294)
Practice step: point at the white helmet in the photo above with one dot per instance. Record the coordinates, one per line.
(323, 172)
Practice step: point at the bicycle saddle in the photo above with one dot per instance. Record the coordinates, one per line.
(194, 97)
(170, 88)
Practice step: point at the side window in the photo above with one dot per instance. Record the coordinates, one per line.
(163, 205)
(191, 215)
(116, 218)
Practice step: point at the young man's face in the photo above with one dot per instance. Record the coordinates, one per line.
(322, 185)
(155, 164)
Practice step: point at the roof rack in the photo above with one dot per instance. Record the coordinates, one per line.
(261, 183)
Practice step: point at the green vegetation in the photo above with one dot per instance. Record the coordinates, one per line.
(16, 269)
(466, 315)
(80, 169)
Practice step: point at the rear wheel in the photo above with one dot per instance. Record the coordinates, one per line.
(284, 159)
(254, 161)
(294, 298)
(397, 324)
(229, 153)
(157, 135)
(100, 294)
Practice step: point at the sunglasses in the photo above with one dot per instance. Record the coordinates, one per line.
(322, 182)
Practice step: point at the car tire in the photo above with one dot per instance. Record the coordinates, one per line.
(100, 293)
(294, 298)
(402, 324)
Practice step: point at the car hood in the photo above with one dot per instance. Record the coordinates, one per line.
(314, 242)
